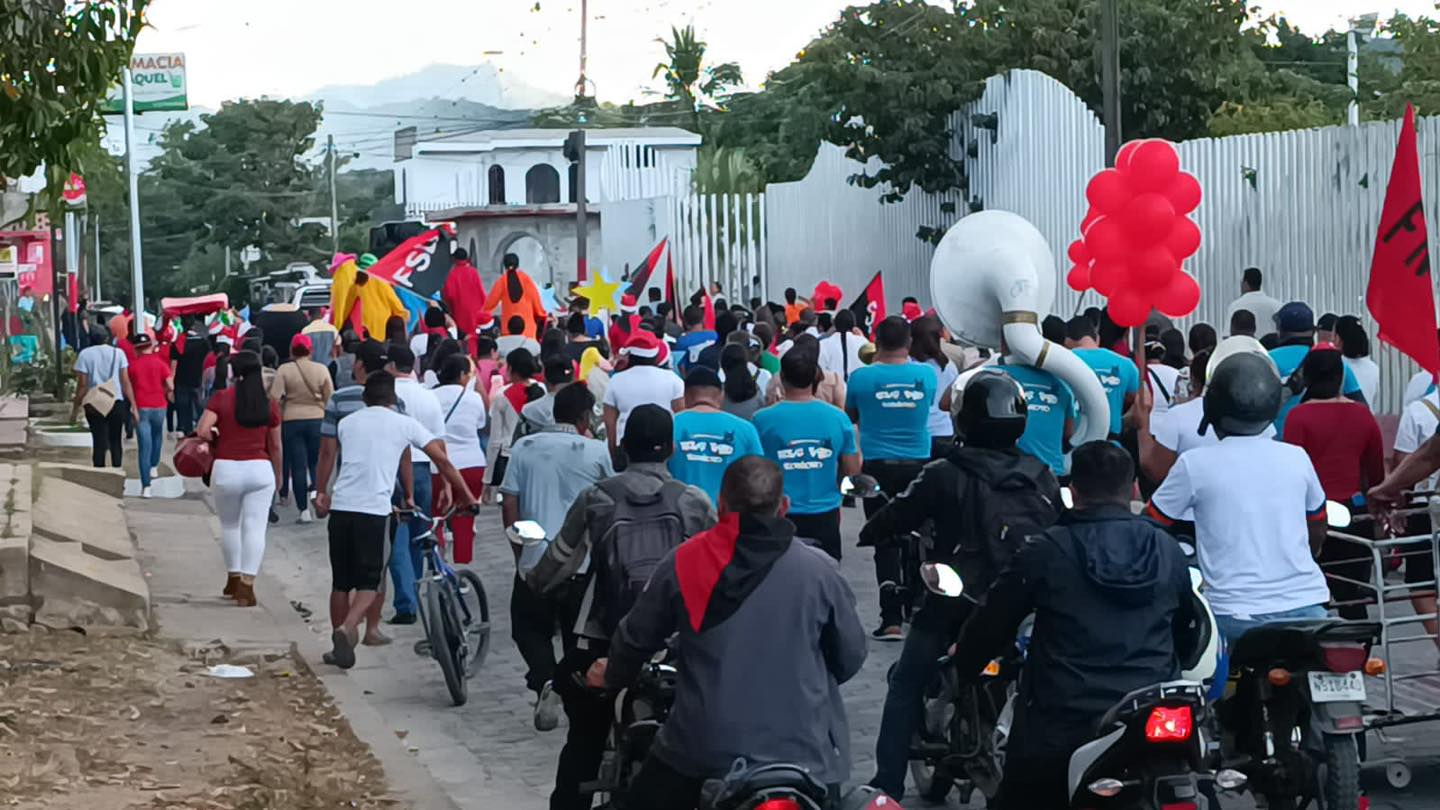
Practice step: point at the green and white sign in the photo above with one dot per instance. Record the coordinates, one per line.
(157, 82)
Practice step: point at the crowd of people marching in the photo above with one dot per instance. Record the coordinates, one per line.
(733, 425)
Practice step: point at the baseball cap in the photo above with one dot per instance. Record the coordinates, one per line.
(302, 342)
(702, 377)
(401, 356)
(141, 341)
(1295, 316)
(371, 356)
(649, 432)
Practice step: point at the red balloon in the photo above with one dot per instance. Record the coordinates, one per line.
(1108, 192)
(1184, 193)
(1128, 308)
(1148, 218)
(1106, 239)
(1153, 166)
(1127, 151)
(1183, 239)
(1106, 277)
(1079, 278)
(1090, 217)
(1180, 297)
(1078, 252)
(1152, 268)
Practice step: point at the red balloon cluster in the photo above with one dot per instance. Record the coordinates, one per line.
(1136, 235)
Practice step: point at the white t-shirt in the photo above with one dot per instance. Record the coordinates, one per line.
(941, 425)
(419, 343)
(1417, 425)
(1418, 386)
(420, 405)
(833, 355)
(96, 362)
(638, 385)
(371, 441)
(509, 343)
(1178, 430)
(1262, 306)
(1160, 376)
(1367, 373)
(1252, 498)
(463, 420)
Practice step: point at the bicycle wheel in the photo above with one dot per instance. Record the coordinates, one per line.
(477, 634)
(445, 638)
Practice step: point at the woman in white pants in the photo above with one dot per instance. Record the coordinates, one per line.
(244, 426)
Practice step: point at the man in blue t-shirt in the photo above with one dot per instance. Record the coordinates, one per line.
(695, 340)
(1117, 373)
(1295, 326)
(890, 400)
(1051, 417)
(707, 439)
(814, 444)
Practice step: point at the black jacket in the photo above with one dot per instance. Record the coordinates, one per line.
(1111, 596)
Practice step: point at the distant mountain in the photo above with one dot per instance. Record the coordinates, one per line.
(483, 84)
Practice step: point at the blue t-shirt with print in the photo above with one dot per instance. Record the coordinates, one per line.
(594, 327)
(689, 345)
(893, 401)
(807, 440)
(706, 444)
(1049, 403)
(1287, 361)
(1118, 376)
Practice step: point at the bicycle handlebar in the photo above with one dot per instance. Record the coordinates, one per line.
(399, 511)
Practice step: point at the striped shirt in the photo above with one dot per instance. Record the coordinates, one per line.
(344, 402)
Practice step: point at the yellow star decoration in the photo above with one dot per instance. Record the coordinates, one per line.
(600, 292)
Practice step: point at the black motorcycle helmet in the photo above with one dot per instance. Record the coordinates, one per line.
(1242, 396)
(992, 411)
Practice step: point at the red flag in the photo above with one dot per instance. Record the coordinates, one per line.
(1401, 295)
(869, 308)
(670, 287)
(709, 310)
(420, 264)
(640, 278)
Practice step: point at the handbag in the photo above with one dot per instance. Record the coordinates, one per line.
(193, 458)
(102, 397)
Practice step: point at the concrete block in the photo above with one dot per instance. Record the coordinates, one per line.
(71, 587)
(71, 513)
(106, 480)
(15, 570)
(14, 408)
(13, 432)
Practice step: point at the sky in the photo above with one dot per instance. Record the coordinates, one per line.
(291, 48)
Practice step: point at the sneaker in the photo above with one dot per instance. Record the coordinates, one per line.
(547, 709)
(888, 632)
(305, 516)
(145, 492)
(403, 618)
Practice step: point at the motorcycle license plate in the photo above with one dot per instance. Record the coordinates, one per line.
(1336, 687)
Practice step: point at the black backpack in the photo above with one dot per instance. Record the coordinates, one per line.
(998, 515)
(644, 528)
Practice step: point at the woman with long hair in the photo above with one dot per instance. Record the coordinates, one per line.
(742, 396)
(243, 424)
(464, 412)
(925, 347)
(102, 365)
(303, 387)
(395, 331)
(433, 362)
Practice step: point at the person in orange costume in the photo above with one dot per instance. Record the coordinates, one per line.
(516, 294)
(351, 287)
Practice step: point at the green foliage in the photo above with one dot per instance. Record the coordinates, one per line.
(58, 60)
(689, 80)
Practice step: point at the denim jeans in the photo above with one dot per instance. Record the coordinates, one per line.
(187, 408)
(301, 440)
(150, 434)
(905, 705)
(406, 564)
(1233, 627)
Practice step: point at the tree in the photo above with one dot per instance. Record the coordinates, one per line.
(58, 62)
(689, 81)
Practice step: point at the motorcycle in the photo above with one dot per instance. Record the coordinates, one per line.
(784, 787)
(639, 712)
(1293, 721)
(913, 546)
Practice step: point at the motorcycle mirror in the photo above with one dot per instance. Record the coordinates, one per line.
(862, 486)
(1187, 549)
(525, 532)
(941, 579)
(1337, 515)
(1066, 498)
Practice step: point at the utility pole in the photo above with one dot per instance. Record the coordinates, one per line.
(137, 280)
(584, 38)
(97, 258)
(575, 151)
(334, 205)
(1110, 76)
(1352, 77)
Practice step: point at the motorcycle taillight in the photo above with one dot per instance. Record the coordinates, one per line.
(1179, 806)
(1344, 657)
(1167, 724)
(778, 804)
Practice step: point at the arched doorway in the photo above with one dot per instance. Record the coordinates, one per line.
(532, 255)
(496, 182)
(542, 184)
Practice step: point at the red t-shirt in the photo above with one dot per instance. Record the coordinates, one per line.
(237, 442)
(148, 373)
(1343, 442)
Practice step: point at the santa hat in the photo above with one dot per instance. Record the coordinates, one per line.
(646, 345)
(628, 303)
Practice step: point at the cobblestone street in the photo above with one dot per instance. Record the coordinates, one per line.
(488, 750)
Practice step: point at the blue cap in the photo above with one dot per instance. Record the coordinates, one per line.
(1295, 317)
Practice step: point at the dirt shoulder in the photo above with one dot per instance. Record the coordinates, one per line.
(128, 722)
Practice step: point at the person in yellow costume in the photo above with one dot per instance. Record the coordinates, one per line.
(357, 298)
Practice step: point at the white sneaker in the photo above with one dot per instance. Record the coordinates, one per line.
(547, 709)
(305, 516)
(154, 472)
(145, 492)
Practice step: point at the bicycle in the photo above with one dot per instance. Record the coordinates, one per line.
(453, 611)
